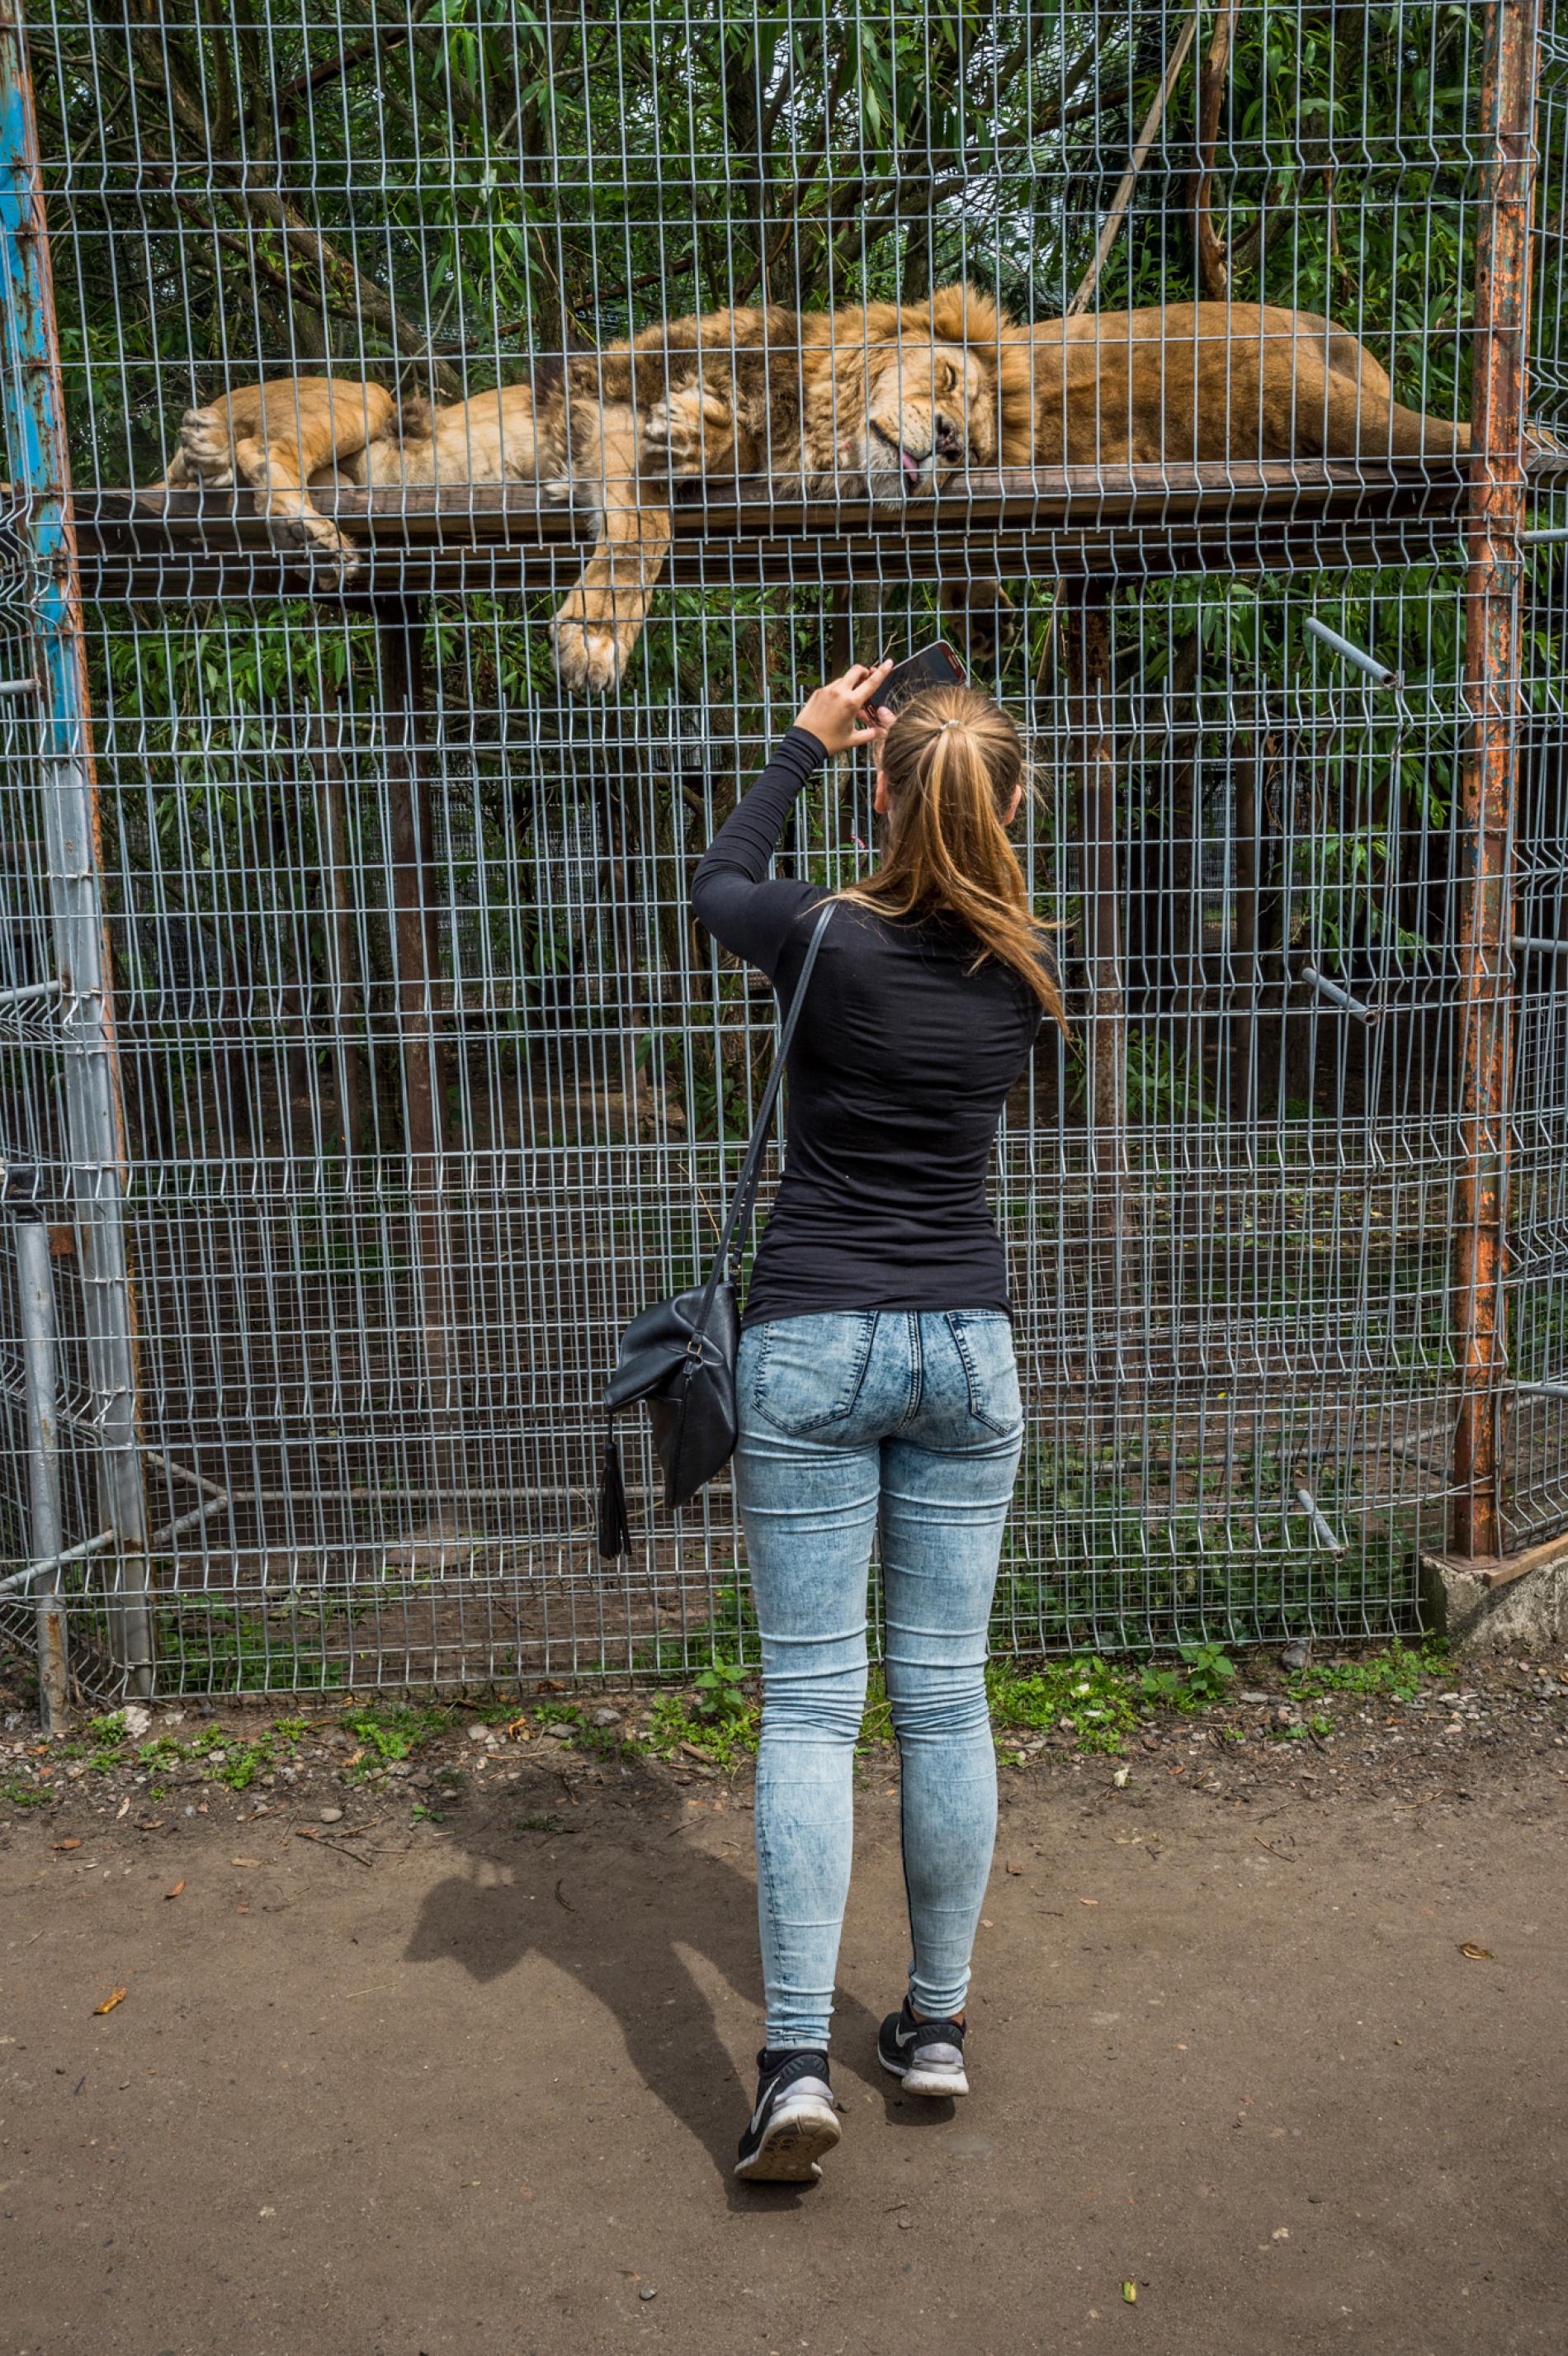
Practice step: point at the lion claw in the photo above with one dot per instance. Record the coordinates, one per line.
(207, 449)
(331, 558)
(587, 657)
(677, 427)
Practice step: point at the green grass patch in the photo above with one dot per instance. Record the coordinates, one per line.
(221, 1649)
(1101, 1702)
(231, 1759)
(1301, 1733)
(602, 1741)
(1205, 1677)
(26, 1796)
(167, 1750)
(723, 1743)
(388, 1731)
(99, 1742)
(1092, 1699)
(719, 1692)
(728, 1634)
(1396, 1674)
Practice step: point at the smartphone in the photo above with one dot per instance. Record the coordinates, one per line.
(934, 666)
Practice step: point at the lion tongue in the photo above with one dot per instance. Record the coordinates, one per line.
(911, 465)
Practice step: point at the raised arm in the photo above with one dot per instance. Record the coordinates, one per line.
(731, 892)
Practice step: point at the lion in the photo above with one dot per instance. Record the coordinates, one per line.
(1181, 383)
(882, 402)
(1169, 385)
(1188, 383)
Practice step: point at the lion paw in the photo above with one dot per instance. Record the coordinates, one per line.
(333, 563)
(557, 490)
(678, 428)
(588, 657)
(208, 449)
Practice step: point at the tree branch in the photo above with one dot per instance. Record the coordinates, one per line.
(1253, 248)
(780, 99)
(355, 294)
(380, 37)
(1084, 292)
(1213, 276)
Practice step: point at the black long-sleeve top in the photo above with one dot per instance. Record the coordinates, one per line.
(898, 1074)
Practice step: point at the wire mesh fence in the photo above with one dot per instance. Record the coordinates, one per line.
(420, 677)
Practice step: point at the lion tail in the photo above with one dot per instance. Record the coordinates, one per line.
(1411, 433)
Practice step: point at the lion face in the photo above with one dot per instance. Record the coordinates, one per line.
(922, 412)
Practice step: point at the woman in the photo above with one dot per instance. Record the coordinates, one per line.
(876, 1380)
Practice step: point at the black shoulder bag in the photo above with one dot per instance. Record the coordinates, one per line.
(681, 1354)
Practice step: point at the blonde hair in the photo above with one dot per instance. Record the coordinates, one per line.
(953, 760)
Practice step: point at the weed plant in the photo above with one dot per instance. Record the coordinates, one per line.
(716, 1720)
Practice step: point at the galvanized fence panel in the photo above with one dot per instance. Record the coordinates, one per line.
(427, 1078)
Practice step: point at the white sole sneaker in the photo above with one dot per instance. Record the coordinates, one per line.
(928, 2063)
(794, 2124)
(792, 2145)
(923, 2078)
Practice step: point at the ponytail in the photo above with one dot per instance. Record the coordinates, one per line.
(953, 760)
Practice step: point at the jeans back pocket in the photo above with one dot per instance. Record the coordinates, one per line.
(807, 1371)
(984, 1341)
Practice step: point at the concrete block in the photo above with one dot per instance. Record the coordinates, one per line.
(1505, 1603)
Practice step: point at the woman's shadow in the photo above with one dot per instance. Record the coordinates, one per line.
(613, 1904)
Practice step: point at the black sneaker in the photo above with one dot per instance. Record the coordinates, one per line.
(795, 2121)
(928, 2055)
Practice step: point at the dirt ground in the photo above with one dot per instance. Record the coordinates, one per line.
(1273, 2033)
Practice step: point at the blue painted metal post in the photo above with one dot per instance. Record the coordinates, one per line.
(32, 407)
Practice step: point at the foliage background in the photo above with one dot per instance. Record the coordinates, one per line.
(437, 192)
(441, 186)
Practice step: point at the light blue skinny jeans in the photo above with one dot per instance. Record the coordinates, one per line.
(846, 1418)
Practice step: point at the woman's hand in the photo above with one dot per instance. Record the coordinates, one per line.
(834, 713)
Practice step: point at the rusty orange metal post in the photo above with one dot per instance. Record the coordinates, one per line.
(1493, 694)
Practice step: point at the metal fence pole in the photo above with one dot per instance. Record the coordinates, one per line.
(415, 898)
(36, 1292)
(1089, 691)
(32, 403)
(1493, 694)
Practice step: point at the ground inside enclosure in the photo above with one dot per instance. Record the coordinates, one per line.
(437, 2038)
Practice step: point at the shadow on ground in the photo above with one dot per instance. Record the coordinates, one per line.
(631, 1950)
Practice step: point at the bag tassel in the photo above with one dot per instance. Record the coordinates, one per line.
(614, 1530)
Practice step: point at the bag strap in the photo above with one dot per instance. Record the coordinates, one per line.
(737, 1225)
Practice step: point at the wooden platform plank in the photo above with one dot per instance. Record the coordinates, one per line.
(1072, 522)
